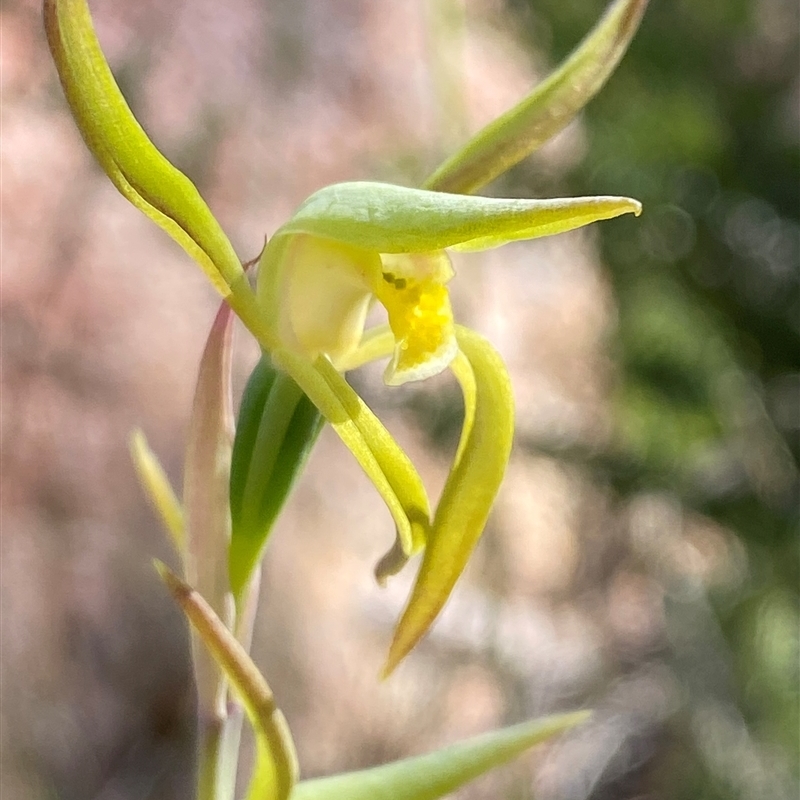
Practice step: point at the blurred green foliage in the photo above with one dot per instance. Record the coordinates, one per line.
(700, 123)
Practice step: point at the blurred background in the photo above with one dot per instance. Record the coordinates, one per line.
(642, 558)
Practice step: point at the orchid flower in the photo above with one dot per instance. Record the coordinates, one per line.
(353, 244)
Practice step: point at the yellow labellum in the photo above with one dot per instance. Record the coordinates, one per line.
(412, 289)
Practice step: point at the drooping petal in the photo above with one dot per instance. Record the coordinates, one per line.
(395, 559)
(546, 110)
(276, 767)
(469, 492)
(385, 463)
(385, 218)
(157, 487)
(435, 775)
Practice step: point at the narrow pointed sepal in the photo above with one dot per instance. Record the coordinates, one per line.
(276, 768)
(435, 775)
(385, 218)
(469, 492)
(157, 487)
(126, 154)
(546, 110)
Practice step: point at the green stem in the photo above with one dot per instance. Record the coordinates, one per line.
(217, 756)
(218, 737)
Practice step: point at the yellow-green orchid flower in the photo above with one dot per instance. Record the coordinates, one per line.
(353, 244)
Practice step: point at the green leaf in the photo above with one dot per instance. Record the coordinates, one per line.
(248, 421)
(469, 492)
(435, 775)
(276, 769)
(126, 154)
(206, 480)
(157, 487)
(547, 109)
(385, 218)
(276, 430)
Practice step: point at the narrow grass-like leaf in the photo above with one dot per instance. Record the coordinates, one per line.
(435, 775)
(248, 422)
(301, 435)
(157, 487)
(470, 489)
(276, 762)
(385, 218)
(276, 430)
(547, 109)
(205, 497)
(129, 158)
(277, 413)
(384, 462)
